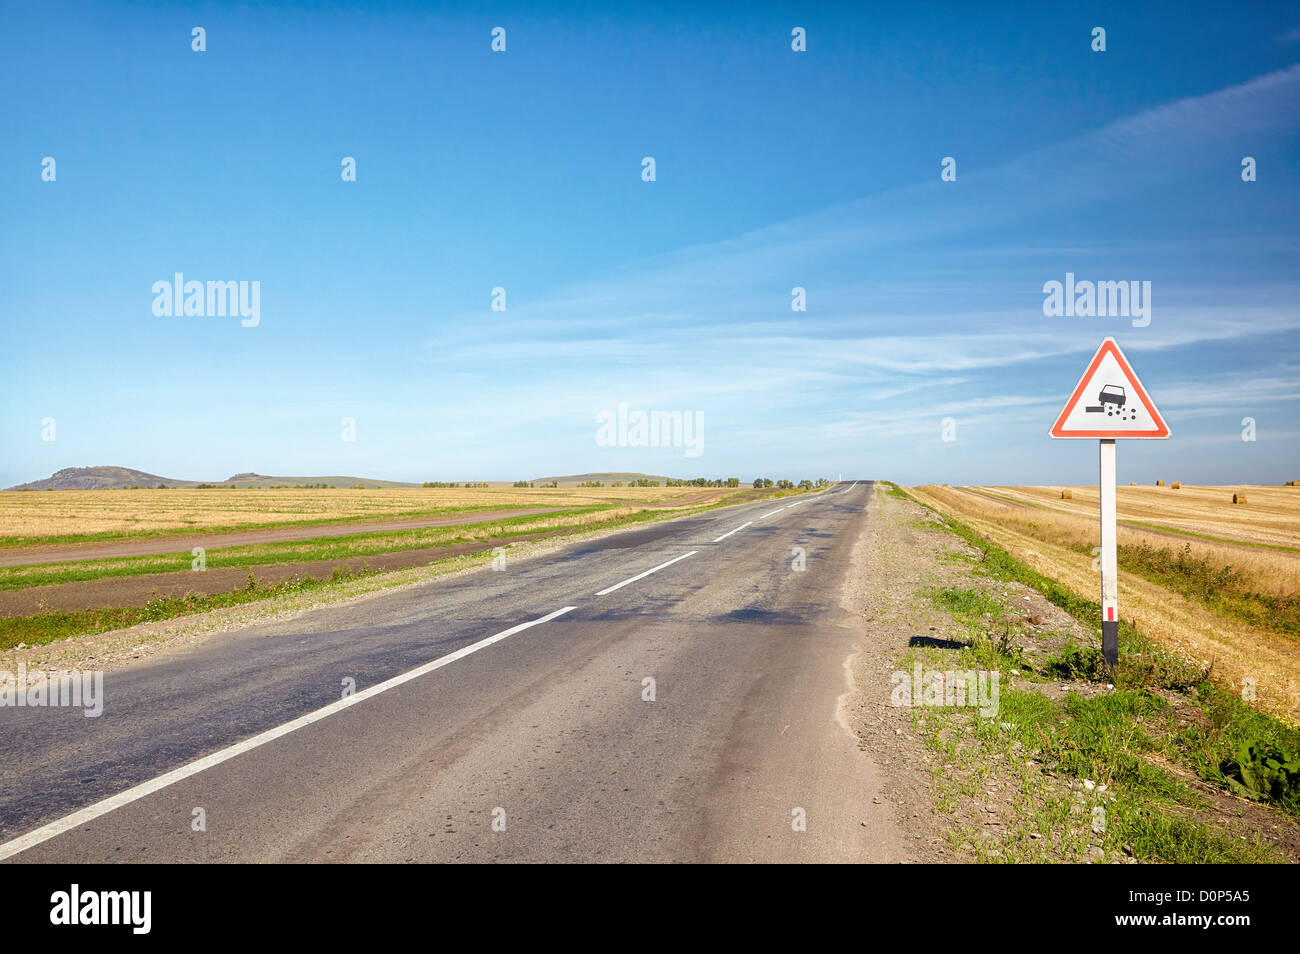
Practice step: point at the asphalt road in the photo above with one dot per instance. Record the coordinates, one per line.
(474, 736)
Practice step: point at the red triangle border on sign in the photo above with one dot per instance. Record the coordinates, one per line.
(1109, 346)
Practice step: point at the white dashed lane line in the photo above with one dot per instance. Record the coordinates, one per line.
(737, 530)
(641, 576)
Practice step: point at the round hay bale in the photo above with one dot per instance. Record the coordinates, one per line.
(1160, 483)
(1067, 495)
(1239, 498)
(1176, 485)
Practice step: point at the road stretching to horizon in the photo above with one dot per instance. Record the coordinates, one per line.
(512, 700)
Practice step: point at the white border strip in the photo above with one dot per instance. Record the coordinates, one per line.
(91, 812)
(770, 512)
(639, 576)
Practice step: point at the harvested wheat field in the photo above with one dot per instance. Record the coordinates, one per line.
(34, 516)
(1232, 601)
(1271, 516)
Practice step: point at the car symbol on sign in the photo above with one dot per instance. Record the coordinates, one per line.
(1112, 401)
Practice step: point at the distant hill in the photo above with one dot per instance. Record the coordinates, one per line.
(573, 480)
(259, 480)
(101, 478)
(118, 478)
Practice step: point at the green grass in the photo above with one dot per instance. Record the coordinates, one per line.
(1232, 722)
(1074, 662)
(46, 628)
(1147, 811)
(1106, 739)
(990, 635)
(1111, 738)
(1221, 588)
(967, 602)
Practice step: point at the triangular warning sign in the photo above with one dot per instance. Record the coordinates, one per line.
(1109, 401)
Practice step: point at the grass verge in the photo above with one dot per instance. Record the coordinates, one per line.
(1142, 763)
(46, 628)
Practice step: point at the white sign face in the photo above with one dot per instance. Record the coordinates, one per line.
(1109, 401)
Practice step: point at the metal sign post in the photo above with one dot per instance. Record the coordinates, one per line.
(1122, 409)
(1109, 559)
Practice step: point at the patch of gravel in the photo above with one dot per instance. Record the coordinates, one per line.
(879, 590)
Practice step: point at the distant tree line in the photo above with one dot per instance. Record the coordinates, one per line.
(763, 483)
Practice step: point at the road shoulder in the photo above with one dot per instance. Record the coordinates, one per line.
(1064, 766)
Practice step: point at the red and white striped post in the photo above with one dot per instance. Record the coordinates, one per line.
(1109, 402)
(1109, 559)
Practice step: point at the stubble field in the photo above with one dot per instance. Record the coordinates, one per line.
(31, 517)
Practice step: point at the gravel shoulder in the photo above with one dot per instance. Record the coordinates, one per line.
(879, 592)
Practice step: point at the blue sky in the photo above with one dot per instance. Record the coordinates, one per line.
(522, 169)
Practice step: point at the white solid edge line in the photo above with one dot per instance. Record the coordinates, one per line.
(633, 579)
(769, 513)
(730, 532)
(91, 812)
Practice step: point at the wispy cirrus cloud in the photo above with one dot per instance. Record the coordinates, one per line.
(908, 319)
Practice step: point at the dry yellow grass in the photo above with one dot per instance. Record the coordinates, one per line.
(36, 514)
(1272, 516)
(1039, 528)
(1040, 513)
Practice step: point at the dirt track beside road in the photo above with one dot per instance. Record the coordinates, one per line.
(176, 543)
(138, 590)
